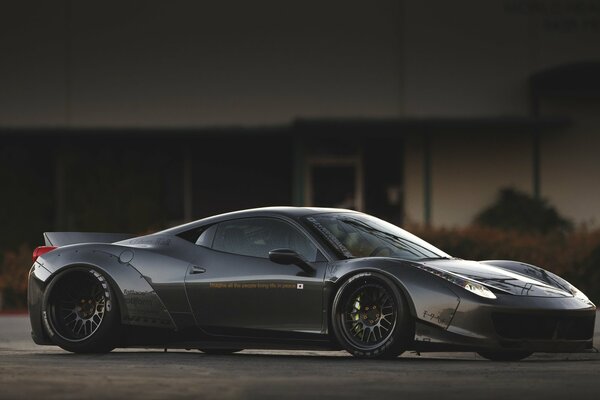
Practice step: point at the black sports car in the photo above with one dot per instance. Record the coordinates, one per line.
(296, 278)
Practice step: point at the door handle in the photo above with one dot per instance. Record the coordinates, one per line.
(197, 270)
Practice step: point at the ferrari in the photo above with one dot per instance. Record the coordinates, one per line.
(295, 278)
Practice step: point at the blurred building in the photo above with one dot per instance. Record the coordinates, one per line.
(112, 113)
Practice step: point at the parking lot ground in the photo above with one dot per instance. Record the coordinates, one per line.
(28, 371)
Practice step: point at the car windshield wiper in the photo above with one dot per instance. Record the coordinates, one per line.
(434, 258)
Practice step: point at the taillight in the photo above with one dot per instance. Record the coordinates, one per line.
(41, 250)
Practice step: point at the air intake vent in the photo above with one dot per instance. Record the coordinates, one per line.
(518, 326)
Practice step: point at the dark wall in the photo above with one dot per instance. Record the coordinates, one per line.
(196, 63)
(132, 182)
(383, 159)
(27, 196)
(236, 172)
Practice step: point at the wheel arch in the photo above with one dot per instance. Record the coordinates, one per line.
(354, 272)
(139, 304)
(65, 269)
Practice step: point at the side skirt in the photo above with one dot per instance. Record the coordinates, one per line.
(190, 338)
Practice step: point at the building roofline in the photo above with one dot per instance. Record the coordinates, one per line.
(332, 125)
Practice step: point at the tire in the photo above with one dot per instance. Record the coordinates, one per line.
(505, 355)
(80, 311)
(384, 319)
(221, 352)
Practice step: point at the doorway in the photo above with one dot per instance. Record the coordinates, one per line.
(335, 181)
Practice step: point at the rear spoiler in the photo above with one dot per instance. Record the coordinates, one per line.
(58, 239)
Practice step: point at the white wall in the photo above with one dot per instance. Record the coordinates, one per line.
(467, 170)
(414, 180)
(471, 58)
(570, 161)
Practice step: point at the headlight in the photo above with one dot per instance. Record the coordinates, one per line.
(578, 294)
(472, 286)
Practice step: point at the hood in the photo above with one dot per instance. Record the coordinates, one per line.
(498, 278)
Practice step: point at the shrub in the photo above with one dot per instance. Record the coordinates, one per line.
(13, 277)
(574, 255)
(514, 210)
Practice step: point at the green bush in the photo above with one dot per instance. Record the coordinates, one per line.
(13, 277)
(573, 255)
(518, 211)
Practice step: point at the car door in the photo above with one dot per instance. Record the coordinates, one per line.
(233, 287)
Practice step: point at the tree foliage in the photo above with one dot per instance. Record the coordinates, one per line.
(518, 211)
(13, 277)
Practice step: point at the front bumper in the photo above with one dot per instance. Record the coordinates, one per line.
(536, 324)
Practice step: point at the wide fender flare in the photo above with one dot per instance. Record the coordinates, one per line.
(139, 303)
(429, 298)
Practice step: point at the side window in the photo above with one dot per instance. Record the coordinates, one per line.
(206, 237)
(202, 236)
(257, 236)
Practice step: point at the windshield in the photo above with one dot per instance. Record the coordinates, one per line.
(361, 235)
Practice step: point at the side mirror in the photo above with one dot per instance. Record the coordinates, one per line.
(290, 257)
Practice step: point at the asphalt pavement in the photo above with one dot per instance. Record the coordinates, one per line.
(28, 371)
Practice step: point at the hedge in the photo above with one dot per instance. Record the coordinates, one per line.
(574, 255)
(13, 277)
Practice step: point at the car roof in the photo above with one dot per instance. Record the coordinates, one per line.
(279, 211)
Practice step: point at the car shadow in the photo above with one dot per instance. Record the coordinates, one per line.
(411, 358)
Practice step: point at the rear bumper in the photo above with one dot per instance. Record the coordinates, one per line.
(35, 293)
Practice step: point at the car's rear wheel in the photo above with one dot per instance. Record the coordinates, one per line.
(80, 311)
(505, 355)
(370, 317)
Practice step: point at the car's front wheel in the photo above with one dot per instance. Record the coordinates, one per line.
(80, 311)
(370, 317)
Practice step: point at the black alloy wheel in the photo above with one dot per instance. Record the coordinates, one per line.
(80, 311)
(369, 315)
(371, 318)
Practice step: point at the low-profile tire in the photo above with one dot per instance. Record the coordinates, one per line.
(370, 317)
(505, 355)
(221, 352)
(80, 311)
